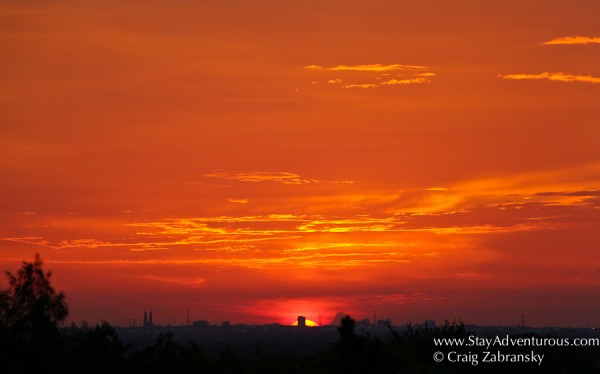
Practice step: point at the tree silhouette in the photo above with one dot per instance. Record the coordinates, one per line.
(31, 305)
(30, 312)
(94, 350)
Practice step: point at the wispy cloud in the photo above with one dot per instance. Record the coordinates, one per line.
(367, 67)
(88, 244)
(436, 189)
(394, 82)
(403, 227)
(238, 201)
(376, 75)
(179, 281)
(391, 82)
(327, 246)
(588, 193)
(573, 40)
(268, 176)
(364, 85)
(33, 240)
(559, 77)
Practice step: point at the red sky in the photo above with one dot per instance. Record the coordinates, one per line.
(253, 161)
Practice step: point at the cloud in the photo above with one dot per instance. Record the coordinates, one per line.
(261, 176)
(365, 85)
(87, 244)
(436, 189)
(283, 177)
(575, 193)
(573, 40)
(193, 282)
(404, 227)
(377, 74)
(147, 247)
(238, 201)
(33, 240)
(327, 246)
(367, 67)
(84, 243)
(560, 77)
(391, 82)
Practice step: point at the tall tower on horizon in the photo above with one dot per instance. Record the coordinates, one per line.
(148, 319)
(301, 321)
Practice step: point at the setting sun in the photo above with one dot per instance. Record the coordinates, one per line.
(308, 323)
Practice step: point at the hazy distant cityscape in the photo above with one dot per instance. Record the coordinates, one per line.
(32, 313)
(301, 338)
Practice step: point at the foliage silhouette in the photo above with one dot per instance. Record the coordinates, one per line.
(168, 356)
(31, 304)
(30, 312)
(95, 350)
(358, 353)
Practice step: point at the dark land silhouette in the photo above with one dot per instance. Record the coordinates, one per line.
(32, 340)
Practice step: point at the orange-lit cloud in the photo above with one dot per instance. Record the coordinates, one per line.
(322, 246)
(379, 75)
(391, 82)
(574, 40)
(559, 77)
(394, 82)
(33, 240)
(368, 67)
(283, 177)
(178, 281)
(238, 201)
(363, 85)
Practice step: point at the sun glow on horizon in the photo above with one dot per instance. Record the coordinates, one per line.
(309, 323)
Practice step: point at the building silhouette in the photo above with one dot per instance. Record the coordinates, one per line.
(301, 321)
(148, 320)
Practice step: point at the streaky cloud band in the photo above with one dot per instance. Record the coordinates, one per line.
(573, 40)
(558, 77)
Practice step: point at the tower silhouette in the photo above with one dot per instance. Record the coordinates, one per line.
(148, 319)
(301, 321)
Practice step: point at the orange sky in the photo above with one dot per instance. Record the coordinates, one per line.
(253, 161)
